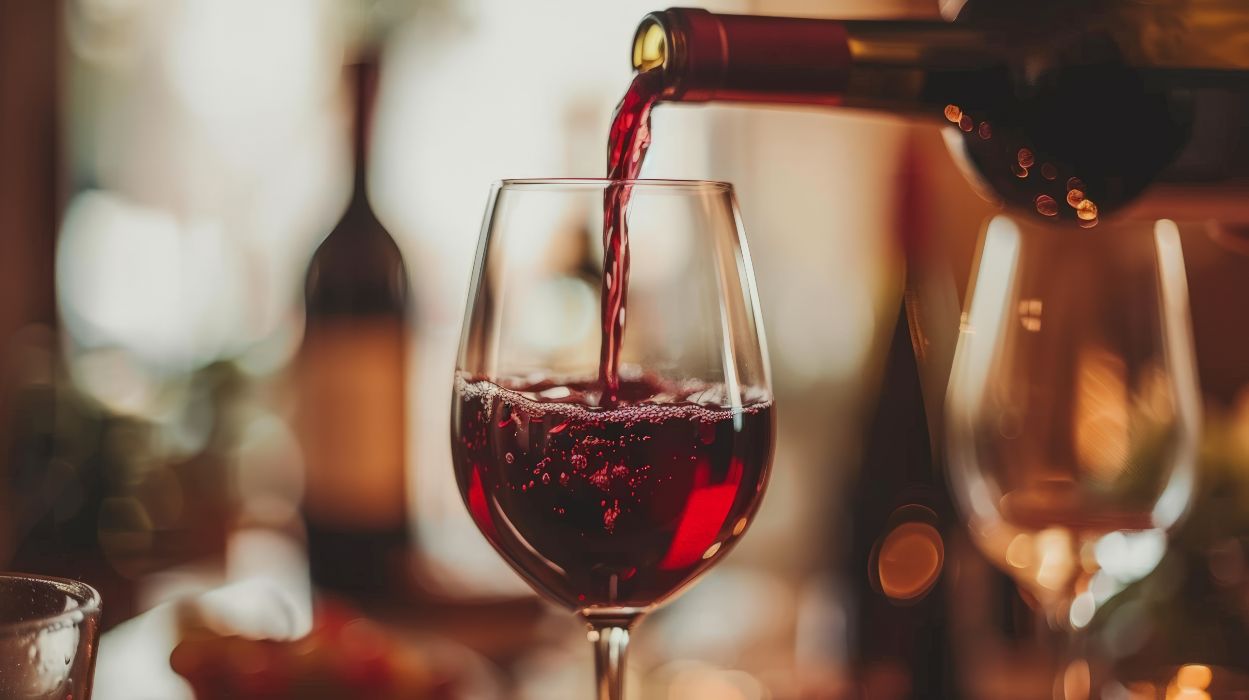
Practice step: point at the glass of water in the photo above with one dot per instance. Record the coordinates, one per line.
(49, 631)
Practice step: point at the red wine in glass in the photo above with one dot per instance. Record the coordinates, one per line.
(609, 507)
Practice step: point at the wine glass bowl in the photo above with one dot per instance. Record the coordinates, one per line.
(608, 496)
(1073, 410)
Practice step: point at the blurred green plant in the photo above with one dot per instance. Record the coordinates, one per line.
(1194, 606)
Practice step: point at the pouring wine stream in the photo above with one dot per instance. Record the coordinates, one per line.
(627, 142)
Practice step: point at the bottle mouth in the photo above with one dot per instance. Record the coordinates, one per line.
(648, 184)
(686, 45)
(650, 44)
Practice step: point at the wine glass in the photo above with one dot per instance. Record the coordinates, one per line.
(608, 500)
(1073, 411)
(49, 632)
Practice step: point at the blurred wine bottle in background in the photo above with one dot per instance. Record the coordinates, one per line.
(902, 517)
(351, 375)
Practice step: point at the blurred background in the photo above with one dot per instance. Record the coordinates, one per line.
(174, 360)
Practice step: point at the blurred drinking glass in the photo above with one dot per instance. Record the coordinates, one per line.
(49, 631)
(1073, 412)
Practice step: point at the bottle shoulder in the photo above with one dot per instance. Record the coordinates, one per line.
(358, 268)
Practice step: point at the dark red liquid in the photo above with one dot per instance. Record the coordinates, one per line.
(609, 508)
(626, 148)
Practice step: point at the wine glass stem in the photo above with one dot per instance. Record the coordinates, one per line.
(1077, 674)
(611, 642)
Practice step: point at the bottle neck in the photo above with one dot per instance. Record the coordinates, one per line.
(739, 58)
(364, 75)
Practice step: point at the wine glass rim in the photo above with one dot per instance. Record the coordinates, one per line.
(86, 603)
(573, 182)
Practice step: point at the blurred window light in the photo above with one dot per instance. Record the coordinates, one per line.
(118, 278)
(134, 277)
(214, 158)
(237, 61)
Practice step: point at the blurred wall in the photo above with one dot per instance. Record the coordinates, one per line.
(29, 198)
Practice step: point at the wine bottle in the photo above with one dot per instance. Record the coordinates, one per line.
(351, 374)
(1104, 99)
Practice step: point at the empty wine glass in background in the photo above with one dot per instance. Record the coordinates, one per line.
(610, 502)
(49, 631)
(1073, 411)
